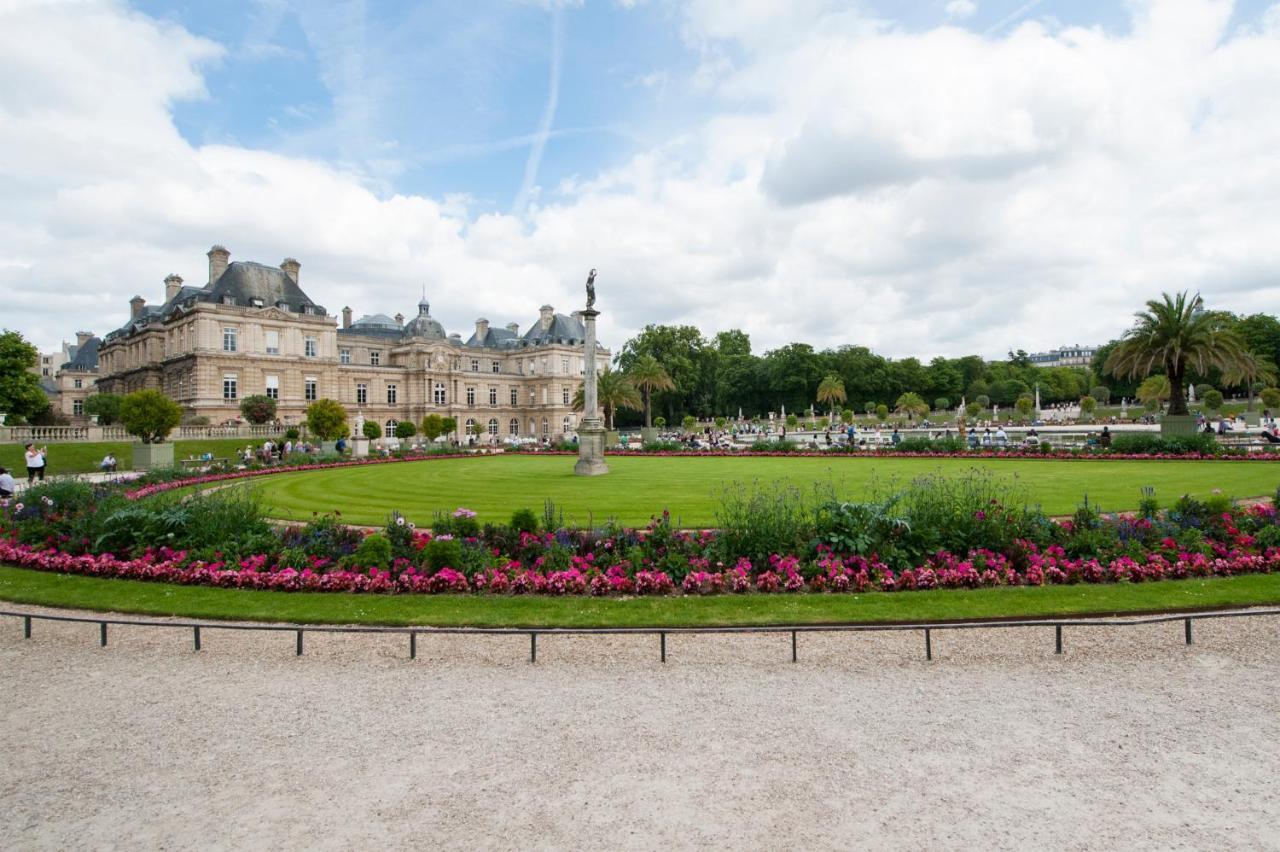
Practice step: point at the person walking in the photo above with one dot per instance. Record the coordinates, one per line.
(35, 459)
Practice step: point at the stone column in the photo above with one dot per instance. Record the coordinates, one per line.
(591, 432)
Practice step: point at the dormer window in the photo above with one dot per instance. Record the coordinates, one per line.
(228, 300)
(256, 302)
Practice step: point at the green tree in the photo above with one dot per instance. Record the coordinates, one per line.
(20, 392)
(613, 391)
(149, 415)
(649, 377)
(405, 429)
(791, 375)
(1271, 398)
(450, 425)
(1174, 336)
(433, 427)
(372, 430)
(1088, 405)
(847, 415)
(1251, 369)
(104, 406)
(942, 404)
(689, 422)
(659, 422)
(870, 407)
(792, 421)
(882, 411)
(1100, 393)
(327, 419)
(258, 409)
(1025, 405)
(831, 392)
(685, 357)
(911, 404)
(1213, 399)
(1153, 389)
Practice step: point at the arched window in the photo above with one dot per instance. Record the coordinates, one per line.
(470, 423)
(568, 424)
(438, 396)
(390, 428)
(493, 426)
(514, 426)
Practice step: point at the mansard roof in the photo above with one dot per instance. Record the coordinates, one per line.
(561, 328)
(86, 357)
(245, 281)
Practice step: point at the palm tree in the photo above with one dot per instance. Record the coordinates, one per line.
(1251, 369)
(831, 391)
(1176, 335)
(613, 391)
(647, 376)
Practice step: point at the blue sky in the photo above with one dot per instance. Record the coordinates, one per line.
(876, 173)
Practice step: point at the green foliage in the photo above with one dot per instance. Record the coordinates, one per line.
(1154, 443)
(292, 433)
(1088, 405)
(659, 422)
(756, 521)
(942, 404)
(973, 409)
(1101, 393)
(433, 426)
(720, 421)
(105, 406)
(524, 521)
(911, 403)
(20, 392)
(327, 419)
(792, 421)
(443, 552)
(847, 415)
(450, 425)
(229, 522)
(405, 429)
(258, 409)
(372, 430)
(882, 411)
(373, 552)
(689, 422)
(1271, 398)
(149, 415)
(983, 401)
(1213, 399)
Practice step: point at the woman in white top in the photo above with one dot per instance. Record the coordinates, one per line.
(35, 463)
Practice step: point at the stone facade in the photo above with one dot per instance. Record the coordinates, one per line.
(252, 330)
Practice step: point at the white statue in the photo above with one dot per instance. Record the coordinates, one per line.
(359, 433)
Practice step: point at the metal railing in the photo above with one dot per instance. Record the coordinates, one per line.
(412, 633)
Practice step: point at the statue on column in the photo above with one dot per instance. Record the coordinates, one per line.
(591, 289)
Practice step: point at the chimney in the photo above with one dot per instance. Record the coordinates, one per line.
(399, 319)
(482, 328)
(83, 337)
(514, 328)
(291, 267)
(172, 284)
(219, 257)
(136, 304)
(346, 317)
(548, 315)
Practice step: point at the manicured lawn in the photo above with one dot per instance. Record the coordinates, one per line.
(22, 586)
(84, 457)
(637, 488)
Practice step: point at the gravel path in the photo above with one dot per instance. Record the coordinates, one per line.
(1129, 740)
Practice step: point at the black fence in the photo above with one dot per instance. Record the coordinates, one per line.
(412, 633)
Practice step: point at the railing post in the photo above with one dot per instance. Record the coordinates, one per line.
(299, 644)
(1187, 629)
(533, 647)
(1057, 630)
(793, 646)
(102, 634)
(413, 645)
(928, 644)
(195, 636)
(26, 627)
(662, 644)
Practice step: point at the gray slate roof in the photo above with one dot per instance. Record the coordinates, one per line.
(245, 280)
(86, 357)
(561, 328)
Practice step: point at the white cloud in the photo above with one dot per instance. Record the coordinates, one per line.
(960, 10)
(921, 193)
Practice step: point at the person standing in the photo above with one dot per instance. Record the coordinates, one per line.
(35, 463)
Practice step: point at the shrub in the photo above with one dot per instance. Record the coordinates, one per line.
(1088, 405)
(371, 430)
(327, 419)
(524, 520)
(292, 433)
(983, 400)
(1213, 400)
(106, 406)
(406, 429)
(757, 521)
(792, 421)
(882, 411)
(149, 415)
(1271, 397)
(373, 552)
(443, 551)
(258, 409)
(942, 404)
(1101, 393)
(1151, 443)
(659, 422)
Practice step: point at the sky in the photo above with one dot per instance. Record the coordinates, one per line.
(938, 177)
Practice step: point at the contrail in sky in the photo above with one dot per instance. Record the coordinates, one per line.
(1021, 11)
(548, 116)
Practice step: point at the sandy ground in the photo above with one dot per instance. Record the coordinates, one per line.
(1129, 740)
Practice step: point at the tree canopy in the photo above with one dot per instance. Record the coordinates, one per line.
(20, 391)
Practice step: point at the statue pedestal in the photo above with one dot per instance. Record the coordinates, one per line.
(360, 448)
(591, 438)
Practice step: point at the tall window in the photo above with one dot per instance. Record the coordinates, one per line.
(495, 366)
(439, 393)
(515, 397)
(309, 387)
(568, 424)
(310, 347)
(533, 397)
(493, 426)
(79, 383)
(273, 387)
(77, 407)
(391, 426)
(564, 366)
(229, 390)
(514, 426)
(362, 394)
(493, 395)
(471, 396)
(344, 356)
(375, 358)
(475, 365)
(273, 342)
(544, 398)
(229, 340)
(391, 394)
(520, 367)
(564, 393)
(546, 427)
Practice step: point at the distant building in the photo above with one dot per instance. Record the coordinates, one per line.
(67, 376)
(252, 330)
(1065, 356)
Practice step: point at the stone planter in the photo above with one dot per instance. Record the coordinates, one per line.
(1178, 424)
(152, 456)
(1253, 419)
